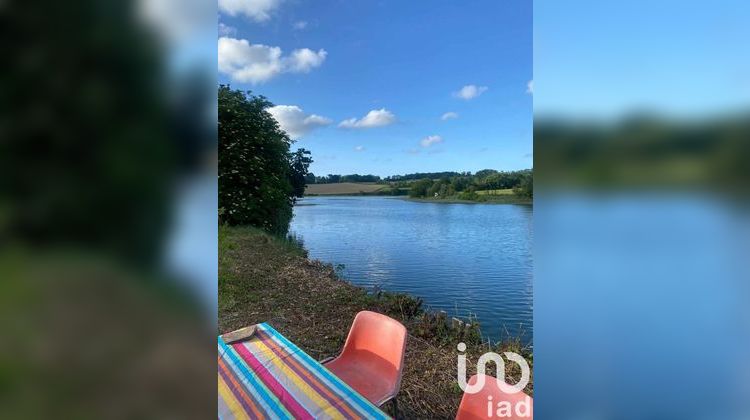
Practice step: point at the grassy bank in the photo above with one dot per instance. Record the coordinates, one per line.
(267, 279)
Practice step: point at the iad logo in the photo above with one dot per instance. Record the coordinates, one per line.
(505, 408)
(500, 363)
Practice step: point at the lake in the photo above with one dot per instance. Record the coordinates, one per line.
(636, 291)
(464, 259)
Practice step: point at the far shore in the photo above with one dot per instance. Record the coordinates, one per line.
(503, 199)
(372, 189)
(507, 199)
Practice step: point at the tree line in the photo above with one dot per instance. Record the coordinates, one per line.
(466, 186)
(447, 184)
(645, 151)
(482, 180)
(335, 179)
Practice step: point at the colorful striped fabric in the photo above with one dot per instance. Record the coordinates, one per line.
(267, 376)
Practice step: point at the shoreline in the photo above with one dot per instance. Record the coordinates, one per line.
(264, 278)
(508, 200)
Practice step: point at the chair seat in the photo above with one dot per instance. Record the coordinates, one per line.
(366, 372)
(475, 406)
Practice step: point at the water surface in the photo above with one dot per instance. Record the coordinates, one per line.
(460, 258)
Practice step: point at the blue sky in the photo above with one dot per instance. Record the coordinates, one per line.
(605, 59)
(366, 85)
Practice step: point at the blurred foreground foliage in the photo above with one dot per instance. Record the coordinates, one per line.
(86, 156)
(645, 151)
(88, 162)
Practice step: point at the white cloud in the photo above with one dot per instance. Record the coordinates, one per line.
(530, 87)
(304, 60)
(248, 63)
(470, 92)
(295, 122)
(374, 118)
(257, 63)
(225, 30)
(258, 10)
(359, 148)
(299, 25)
(449, 116)
(173, 21)
(430, 140)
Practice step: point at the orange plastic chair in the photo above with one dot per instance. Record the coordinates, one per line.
(373, 357)
(484, 404)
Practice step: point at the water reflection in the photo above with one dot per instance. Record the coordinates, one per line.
(465, 259)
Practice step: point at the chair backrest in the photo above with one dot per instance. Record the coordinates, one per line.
(379, 335)
(486, 403)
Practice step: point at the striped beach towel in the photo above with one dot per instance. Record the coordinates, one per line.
(267, 376)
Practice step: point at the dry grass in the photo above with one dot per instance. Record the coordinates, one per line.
(343, 188)
(265, 279)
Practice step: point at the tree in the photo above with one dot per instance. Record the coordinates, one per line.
(526, 186)
(299, 163)
(420, 188)
(254, 167)
(460, 183)
(484, 173)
